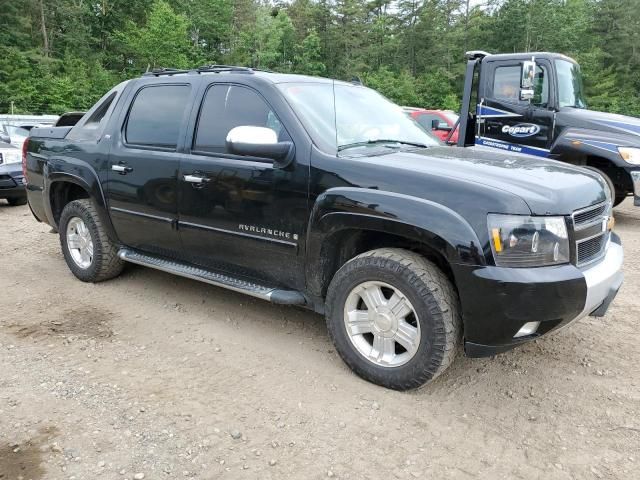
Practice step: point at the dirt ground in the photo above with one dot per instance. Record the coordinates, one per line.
(154, 376)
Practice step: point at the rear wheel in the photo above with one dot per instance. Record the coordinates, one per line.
(17, 201)
(393, 317)
(89, 252)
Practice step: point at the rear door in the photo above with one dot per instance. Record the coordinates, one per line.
(143, 167)
(509, 123)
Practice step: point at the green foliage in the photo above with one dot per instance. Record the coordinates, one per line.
(163, 41)
(58, 55)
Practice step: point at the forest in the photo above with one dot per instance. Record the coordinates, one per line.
(62, 55)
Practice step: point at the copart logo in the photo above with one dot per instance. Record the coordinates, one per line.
(521, 130)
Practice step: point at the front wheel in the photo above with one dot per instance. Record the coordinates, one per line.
(89, 252)
(393, 317)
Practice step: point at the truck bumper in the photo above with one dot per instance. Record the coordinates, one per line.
(506, 307)
(12, 181)
(635, 179)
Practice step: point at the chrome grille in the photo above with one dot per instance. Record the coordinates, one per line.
(590, 249)
(590, 231)
(586, 216)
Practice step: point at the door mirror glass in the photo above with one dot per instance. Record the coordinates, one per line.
(259, 142)
(528, 75)
(527, 80)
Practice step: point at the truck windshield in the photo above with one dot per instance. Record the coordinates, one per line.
(356, 118)
(570, 91)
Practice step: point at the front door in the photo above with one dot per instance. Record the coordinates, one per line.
(509, 123)
(239, 214)
(143, 168)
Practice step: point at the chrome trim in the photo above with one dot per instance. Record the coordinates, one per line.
(194, 179)
(238, 234)
(635, 178)
(140, 214)
(119, 168)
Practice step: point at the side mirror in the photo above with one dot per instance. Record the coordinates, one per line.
(260, 142)
(527, 79)
(4, 138)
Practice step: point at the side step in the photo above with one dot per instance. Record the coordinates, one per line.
(274, 295)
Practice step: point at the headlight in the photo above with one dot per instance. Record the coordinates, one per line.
(12, 157)
(630, 155)
(522, 241)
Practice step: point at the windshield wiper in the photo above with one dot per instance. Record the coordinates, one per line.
(379, 141)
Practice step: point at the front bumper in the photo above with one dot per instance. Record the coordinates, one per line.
(498, 302)
(635, 179)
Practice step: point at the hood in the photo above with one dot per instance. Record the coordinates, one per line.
(548, 187)
(626, 128)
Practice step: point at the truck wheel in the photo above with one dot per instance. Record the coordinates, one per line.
(17, 201)
(90, 254)
(617, 197)
(393, 317)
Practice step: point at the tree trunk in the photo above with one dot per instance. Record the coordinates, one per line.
(45, 35)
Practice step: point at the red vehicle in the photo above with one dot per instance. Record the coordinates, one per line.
(439, 122)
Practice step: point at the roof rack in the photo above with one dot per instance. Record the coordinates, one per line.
(224, 68)
(203, 69)
(156, 72)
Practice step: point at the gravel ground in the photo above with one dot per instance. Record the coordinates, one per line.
(154, 376)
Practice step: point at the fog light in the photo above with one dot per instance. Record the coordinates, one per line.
(527, 329)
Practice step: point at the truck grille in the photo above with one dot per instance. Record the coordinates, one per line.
(591, 233)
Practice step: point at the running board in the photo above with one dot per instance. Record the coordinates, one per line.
(274, 295)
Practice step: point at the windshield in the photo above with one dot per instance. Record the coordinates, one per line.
(570, 91)
(362, 118)
(451, 116)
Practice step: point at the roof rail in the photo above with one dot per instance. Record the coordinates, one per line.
(224, 68)
(203, 69)
(156, 72)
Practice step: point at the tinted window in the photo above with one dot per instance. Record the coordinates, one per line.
(506, 85)
(229, 106)
(157, 115)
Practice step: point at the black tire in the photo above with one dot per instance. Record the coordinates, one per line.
(617, 196)
(434, 301)
(105, 263)
(17, 201)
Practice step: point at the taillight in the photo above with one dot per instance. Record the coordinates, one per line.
(25, 145)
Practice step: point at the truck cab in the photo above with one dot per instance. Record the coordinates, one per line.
(534, 103)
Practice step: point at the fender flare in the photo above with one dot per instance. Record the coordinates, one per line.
(416, 219)
(85, 178)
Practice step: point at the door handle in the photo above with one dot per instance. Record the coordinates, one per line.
(121, 169)
(195, 179)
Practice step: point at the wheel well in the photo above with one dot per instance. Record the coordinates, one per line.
(342, 246)
(61, 194)
(620, 177)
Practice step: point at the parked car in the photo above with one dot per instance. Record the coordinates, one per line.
(12, 186)
(439, 122)
(323, 194)
(15, 134)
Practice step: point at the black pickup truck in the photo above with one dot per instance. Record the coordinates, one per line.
(312, 192)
